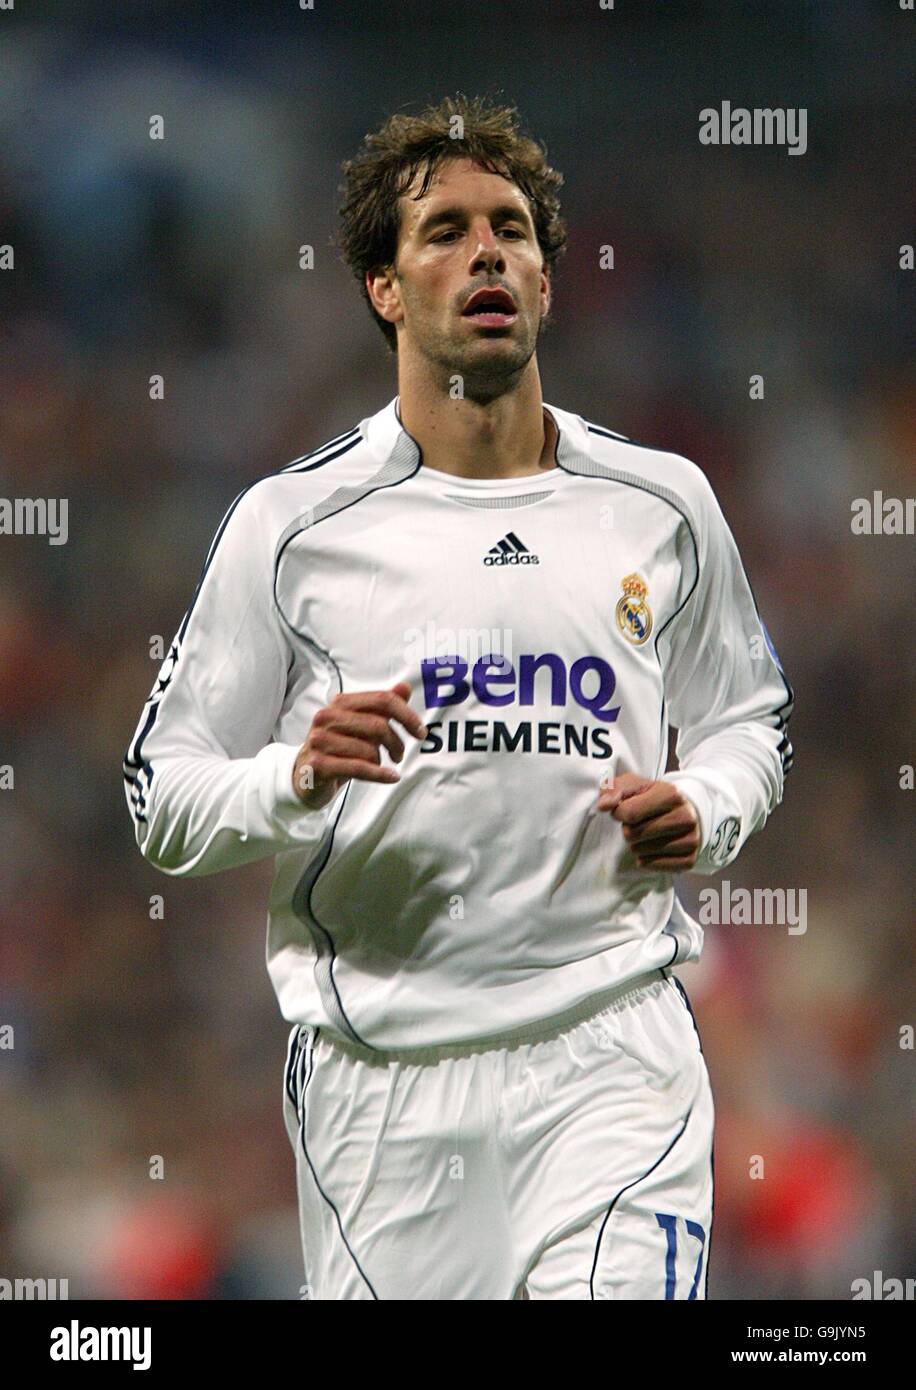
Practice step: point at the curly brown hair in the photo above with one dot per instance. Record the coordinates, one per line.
(389, 159)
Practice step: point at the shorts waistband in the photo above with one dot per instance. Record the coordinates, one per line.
(536, 1032)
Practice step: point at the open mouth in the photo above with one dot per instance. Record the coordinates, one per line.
(490, 308)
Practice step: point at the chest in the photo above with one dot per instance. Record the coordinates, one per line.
(556, 597)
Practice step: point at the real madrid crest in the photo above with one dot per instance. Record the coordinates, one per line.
(634, 616)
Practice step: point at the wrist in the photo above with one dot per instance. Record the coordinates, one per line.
(280, 799)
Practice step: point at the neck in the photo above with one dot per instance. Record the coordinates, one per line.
(511, 436)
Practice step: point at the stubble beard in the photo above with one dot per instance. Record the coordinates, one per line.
(483, 379)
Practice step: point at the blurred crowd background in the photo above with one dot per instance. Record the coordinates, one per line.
(136, 1036)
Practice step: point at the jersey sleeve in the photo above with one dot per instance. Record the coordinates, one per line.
(207, 787)
(727, 694)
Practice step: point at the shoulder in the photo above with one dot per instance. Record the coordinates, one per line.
(668, 475)
(271, 503)
(660, 467)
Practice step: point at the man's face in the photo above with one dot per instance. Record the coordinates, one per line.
(471, 232)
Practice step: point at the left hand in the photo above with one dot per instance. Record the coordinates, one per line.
(660, 824)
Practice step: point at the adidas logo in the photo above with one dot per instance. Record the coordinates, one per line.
(510, 551)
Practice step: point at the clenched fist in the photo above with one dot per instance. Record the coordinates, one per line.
(344, 742)
(660, 824)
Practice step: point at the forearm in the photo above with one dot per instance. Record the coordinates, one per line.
(204, 814)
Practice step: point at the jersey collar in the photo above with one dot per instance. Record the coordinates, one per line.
(384, 433)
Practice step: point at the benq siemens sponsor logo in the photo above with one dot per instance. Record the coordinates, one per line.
(510, 551)
(542, 679)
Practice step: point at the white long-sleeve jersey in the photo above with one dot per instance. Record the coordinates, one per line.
(550, 627)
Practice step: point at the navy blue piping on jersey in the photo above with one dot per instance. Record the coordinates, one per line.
(290, 1073)
(645, 487)
(325, 949)
(134, 762)
(677, 946)
(309, 880)
(784, 712)
(304, 458)
(611, 434)
(324, 1195)
(616, 1199)
(712, 1156)
(370, 492)
(320, 463)
(634, 482)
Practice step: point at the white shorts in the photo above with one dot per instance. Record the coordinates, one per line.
(576, 1164)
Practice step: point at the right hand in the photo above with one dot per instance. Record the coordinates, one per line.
(344, 742)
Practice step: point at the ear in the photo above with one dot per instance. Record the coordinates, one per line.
(384, 293)
(546, 290)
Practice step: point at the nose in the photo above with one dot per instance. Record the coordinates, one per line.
(488, 251)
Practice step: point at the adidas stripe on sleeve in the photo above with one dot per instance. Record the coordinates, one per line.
(727, 693)
(206, 786)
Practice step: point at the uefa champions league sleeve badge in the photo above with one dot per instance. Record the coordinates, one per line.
(634, 616)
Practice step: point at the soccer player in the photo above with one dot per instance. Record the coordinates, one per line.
(430, 667)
